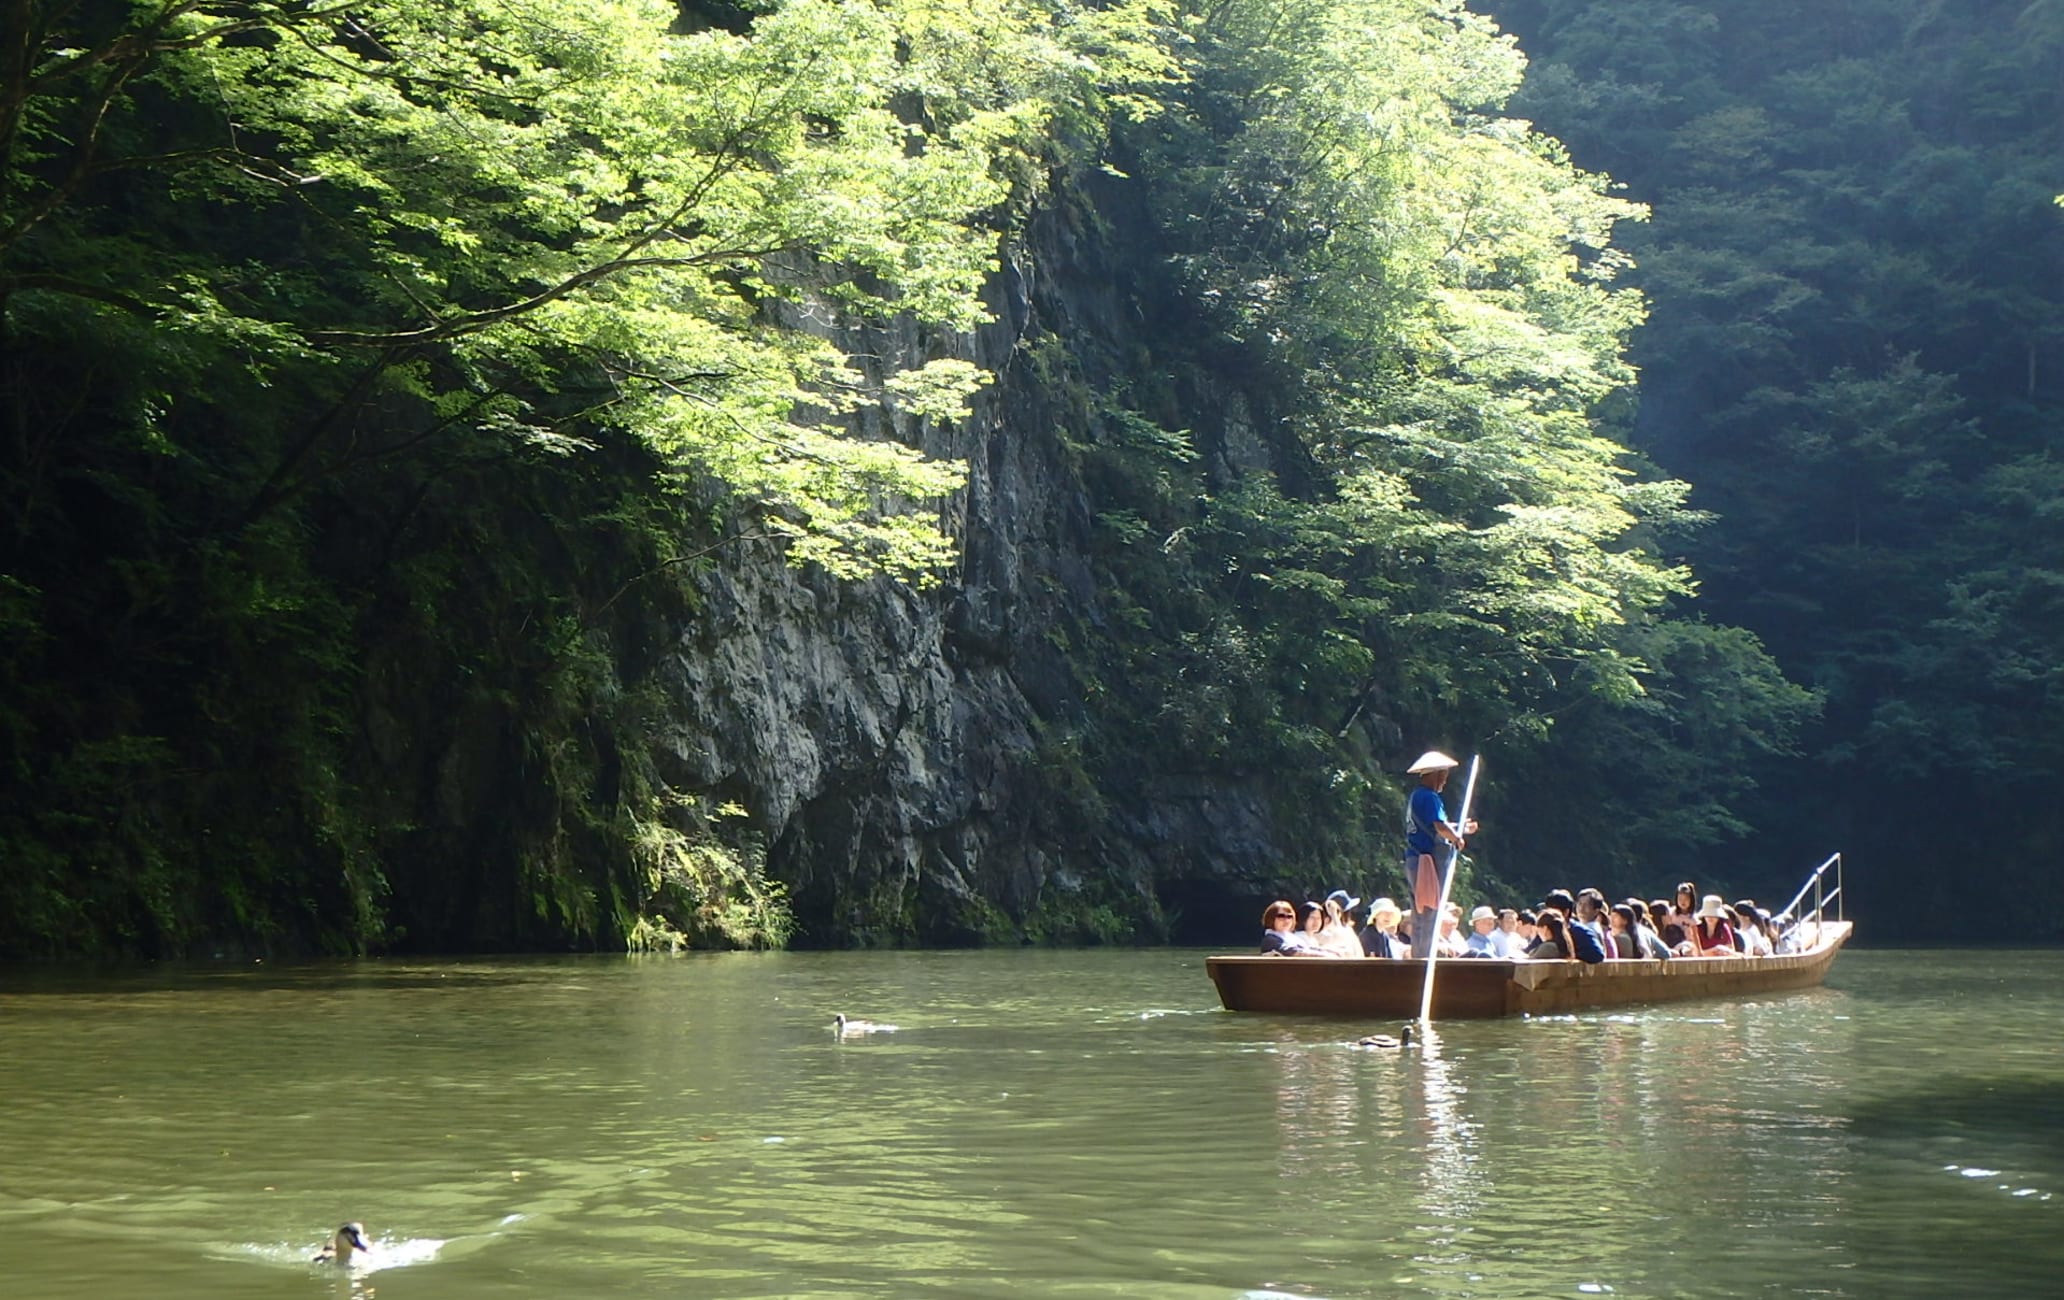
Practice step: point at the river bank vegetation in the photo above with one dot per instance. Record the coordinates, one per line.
(397, 394)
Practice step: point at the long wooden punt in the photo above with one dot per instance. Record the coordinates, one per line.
(1475, 988)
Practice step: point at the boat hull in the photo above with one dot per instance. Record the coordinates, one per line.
(1475, 989)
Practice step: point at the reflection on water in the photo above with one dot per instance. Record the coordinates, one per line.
(1072, 1124)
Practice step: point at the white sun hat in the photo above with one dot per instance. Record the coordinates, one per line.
(1712, 908)
(1432, 761)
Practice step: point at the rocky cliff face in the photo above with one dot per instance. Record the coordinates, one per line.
(905, 753)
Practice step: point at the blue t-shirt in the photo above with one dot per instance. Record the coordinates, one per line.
(1423, 811)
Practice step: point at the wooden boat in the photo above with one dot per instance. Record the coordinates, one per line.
(1476, 988)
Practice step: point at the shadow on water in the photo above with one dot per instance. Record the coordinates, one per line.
(250, 977)
(2023, 1109)
(1962, 1174)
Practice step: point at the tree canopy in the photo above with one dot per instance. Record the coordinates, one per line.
(1416, 521)
(380, 371)
(1856, 269)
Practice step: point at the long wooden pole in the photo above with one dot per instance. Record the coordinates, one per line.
(1447, 886)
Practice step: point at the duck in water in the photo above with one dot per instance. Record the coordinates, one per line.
(1404, 1039)
(846, 1027)
(348, 1249)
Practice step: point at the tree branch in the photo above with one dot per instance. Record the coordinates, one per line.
(474, 322)
(689, 558)
(279, 485)
(51, 283)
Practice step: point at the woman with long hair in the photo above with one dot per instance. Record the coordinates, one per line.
(1312, 924)
(1675, 930)
(1648, 944)
(1554, 944)
(1754, 930)
(1619, 922)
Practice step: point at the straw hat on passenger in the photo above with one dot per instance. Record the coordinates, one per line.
(1385, 907)
(1711, 908)
(1432, 761)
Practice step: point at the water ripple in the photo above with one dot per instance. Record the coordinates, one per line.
(1066, 1124)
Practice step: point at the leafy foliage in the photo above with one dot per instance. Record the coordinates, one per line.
(1376, 501)
(347, 336)
(559, 221)
(380, 369)
(1856, 268)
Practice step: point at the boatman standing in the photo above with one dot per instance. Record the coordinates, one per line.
(1426, 824)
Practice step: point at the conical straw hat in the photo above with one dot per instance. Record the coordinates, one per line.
(1432, 761)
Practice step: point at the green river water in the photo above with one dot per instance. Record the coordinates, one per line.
(1040, 1124)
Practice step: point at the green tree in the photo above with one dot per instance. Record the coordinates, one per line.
(342, 335)
(1855, 272)
(537, 217)
(1414, 521)
(377, 368)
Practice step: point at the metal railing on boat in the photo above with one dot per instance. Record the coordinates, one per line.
(1815, 885)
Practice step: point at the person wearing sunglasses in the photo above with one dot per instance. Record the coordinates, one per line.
(1280, 933)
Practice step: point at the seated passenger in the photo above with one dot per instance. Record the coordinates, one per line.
(1675, 928)
(1508, 931)
(1484, 937)
(1648, 944)
(1311, 919)
(1448, 942)
(1552, 920)
(1382, 939)
(1279, 932)
(1529, 931)
(1766, 937)
(1685, 905)
(1338, 936)
(1754, 932)
(1788, 937)
(1553, 945)
(1712, 936)
(1585, 931)
(1619, 920)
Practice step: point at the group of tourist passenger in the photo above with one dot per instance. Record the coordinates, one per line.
(1563, 927)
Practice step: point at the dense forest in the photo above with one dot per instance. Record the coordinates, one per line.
(489, 475)
(1855, 351)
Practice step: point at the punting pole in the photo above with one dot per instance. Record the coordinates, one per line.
(1447, 886)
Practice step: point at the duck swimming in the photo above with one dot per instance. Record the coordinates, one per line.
(1404, 1039)
(347, 1249)
(846, 1027)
